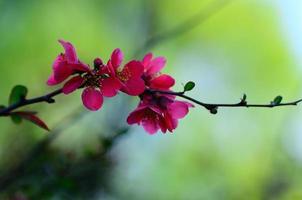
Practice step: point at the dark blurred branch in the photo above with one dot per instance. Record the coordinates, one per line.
(20, 170)
(25, 102)
(188, 25)
(212, 107)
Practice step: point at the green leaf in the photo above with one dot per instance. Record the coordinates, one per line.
(189, 86)
(16, 118)
(17, 94)
(244, 97)
(277, 100)
(2, 107)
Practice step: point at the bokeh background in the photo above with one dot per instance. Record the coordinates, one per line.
(243, 46)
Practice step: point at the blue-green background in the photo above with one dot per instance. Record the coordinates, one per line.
(249, 46)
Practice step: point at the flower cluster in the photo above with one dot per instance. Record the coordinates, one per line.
(136, 78)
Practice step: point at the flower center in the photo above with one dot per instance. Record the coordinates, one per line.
(92, 79)
(124, 75)
(151, 115)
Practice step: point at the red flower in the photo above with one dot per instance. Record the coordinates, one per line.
(152, 75)
(66, 64)
(156, 112)
(130, 75)
(137, 78)
(95, 81)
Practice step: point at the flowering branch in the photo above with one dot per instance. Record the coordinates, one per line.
(157, 109)
(10, 177)
(212, 107)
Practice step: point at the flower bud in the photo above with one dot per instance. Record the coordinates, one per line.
(98, 63)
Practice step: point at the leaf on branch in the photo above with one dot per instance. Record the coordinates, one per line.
(244, 97)
(243, 100)
(17, 94)
(189, 86)
(2, 107)
(29, 116)
(276, 101)
(16, 118)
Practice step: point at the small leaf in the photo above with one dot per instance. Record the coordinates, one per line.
(16, 118)
(189, 86)
(243, 101)
(31, 116)
(277, 100)
(17, 94)
(244, 97)
(2, 107)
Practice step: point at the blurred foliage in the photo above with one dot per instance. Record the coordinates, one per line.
(236, 154)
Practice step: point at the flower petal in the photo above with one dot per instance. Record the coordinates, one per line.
(134, 69)
(150, 125)
(136, 116)
(111, 70)
(170, 122)
(146, 60)
(156, 65)
(110, 86)
(73, 84)
(70, 51)
(61, 71)
(134, 87)
(162, 82)
(58, 61)
(81, 67)
(178, 109)
(155, 109)
(116, 58)
(92, 98)
(51, 80)
(162, 125)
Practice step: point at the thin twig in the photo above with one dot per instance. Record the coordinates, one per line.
(212, 107)
(24, 102)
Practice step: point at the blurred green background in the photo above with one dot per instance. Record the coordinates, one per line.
(248, 46)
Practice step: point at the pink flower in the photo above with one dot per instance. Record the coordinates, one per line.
(97, 82)
(66, 64)
(152, 75)
(130, 75)
(156, 112)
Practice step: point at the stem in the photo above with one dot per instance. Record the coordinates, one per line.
(212, 107)
(45, 98)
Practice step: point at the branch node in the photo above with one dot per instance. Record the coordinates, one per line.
(213, 109)
(50, 100)
(243, 101)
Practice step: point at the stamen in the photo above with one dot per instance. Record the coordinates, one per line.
(124, 75)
